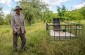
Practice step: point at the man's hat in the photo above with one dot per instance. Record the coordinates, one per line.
(17, 7)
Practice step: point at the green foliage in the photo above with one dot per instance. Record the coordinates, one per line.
(32, 10)
(36, 11)
(77, 14)
(61, 11)
(1, 21)
(1, 16)
(82, 11)
(7, 19)
(48, 16)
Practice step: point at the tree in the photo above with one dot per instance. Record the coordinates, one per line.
(61, 11)
(1, 16)
(82, 11)
(32, 9)
(48, 16)
(7, 19)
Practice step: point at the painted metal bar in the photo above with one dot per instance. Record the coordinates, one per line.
(59, 35)
(65, 31)
(70, 31)
(76, 30)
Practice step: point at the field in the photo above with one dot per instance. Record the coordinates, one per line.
(40, 43)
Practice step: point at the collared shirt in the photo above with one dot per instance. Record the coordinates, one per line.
(17, 23)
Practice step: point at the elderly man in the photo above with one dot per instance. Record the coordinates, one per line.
(18, 26)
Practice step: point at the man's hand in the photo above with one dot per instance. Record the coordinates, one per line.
(16, 30)
(25, 31)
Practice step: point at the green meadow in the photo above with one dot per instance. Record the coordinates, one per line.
(38, 42)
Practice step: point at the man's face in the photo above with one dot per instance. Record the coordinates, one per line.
(18, 11)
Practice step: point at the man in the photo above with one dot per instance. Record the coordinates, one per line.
(18, 26)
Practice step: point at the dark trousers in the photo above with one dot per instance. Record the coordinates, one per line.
(15, 40)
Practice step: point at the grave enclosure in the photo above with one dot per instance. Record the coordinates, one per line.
(64, 31)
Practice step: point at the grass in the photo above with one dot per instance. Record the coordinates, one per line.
(39, 43)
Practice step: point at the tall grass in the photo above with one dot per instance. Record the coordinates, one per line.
(39, 42)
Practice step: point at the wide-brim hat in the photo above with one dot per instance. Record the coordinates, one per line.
(17, 7)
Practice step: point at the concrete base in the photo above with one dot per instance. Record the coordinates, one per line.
(61, 34)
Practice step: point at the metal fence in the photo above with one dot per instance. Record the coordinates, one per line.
(65, 31)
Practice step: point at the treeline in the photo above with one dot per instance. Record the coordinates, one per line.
(38, 11)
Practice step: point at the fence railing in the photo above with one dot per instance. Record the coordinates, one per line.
(65, 30)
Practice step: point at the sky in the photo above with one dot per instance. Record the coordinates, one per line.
(7, 5)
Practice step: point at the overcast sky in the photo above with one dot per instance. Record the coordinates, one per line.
(70, 4)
